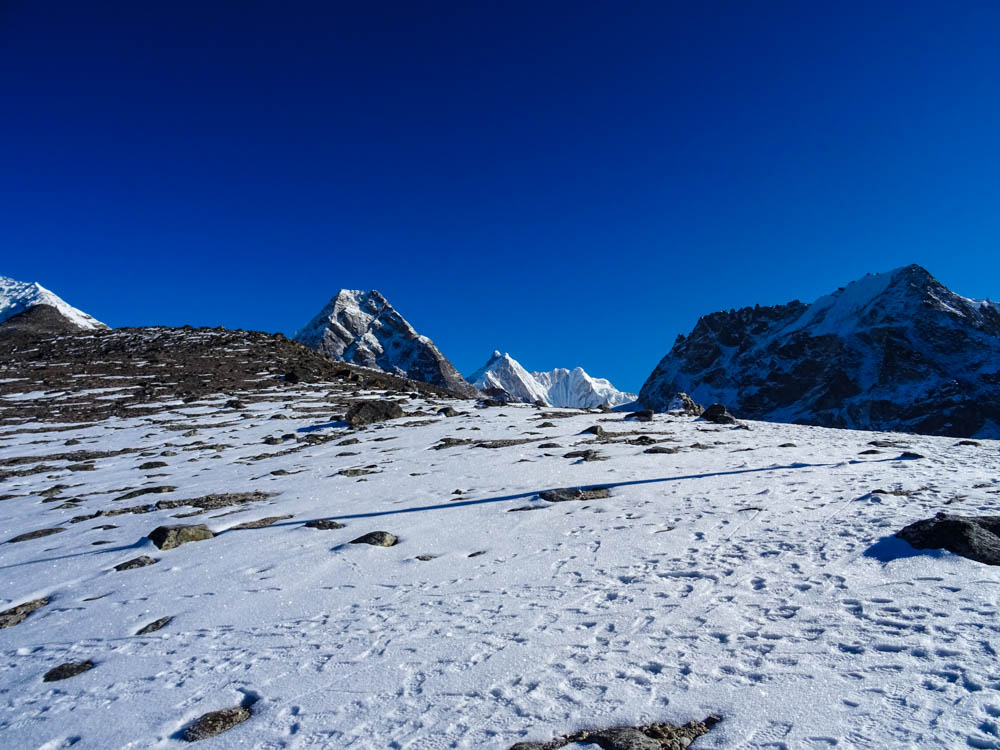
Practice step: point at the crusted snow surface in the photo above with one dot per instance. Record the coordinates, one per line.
(560, 387)
(735, 577)
(18, 296)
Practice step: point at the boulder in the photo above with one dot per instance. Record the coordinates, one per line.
(136, 562)
(565, 494)
(168, 537)
(376, 539)
(974, 537)
(368, 412)
(683, 403)
(645, 415)
(67, 670)
(216, 722)
(324, 524)
(719, 414)
(154, 626)
(16, 615)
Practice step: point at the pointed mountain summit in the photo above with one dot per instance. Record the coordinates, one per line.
(363, 328)
(30, 305)
(560, 387)
(891, 351)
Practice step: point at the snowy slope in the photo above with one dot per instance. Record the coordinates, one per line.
(745, 575)
(560, 387)
(19, 296)
(890, 351)
(363, 328)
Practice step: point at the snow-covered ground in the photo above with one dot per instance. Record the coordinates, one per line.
(739, 578)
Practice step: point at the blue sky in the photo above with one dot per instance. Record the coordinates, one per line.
(575, 183)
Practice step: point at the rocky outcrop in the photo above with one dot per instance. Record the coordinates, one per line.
(169, 537)
(893, 351)
(20, 297)
(368, 412)
(363, 328)
(974, 537)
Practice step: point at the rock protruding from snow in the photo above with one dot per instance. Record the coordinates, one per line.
(975, 537)
(893, 351)
(363, 328)
(17, 297)
(573, 389)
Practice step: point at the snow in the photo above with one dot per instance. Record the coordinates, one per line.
(560, 387)
(18, 296)
(746, 580)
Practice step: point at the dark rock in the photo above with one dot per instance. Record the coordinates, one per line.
(368, 412)
(492, 402)
(448, 411)
(527, 507)
(550, 445)
(565, 494)
(348, 441)
(169, 537)
(477, 553)
(40, 533)
(683, 403)
(291, 377)
(967, 442)
(272, 440)
(216, 722)
(595, 430)
(642, 440)
(146, 491)
(586, 455)
(16, 615)
(974, 537)
(787, 445)
(260, 523)
(324, 524)
(910, 455)
(152, 465)
(718, 414)
(356, 472)
(376, 539)
(426, 558)
(154, 626)
(645, 415)
(67, 670)
(646, 737)
(661, 449)
(137, 562)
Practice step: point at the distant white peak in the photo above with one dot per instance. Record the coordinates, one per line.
(18, 296)
(506, 373)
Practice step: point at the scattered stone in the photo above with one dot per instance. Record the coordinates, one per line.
(477, 553)
(503, 443)
(376, 539)
(348, 441)
(356, 472)
(869, 452)
(448, 411)
(450, 442)
(154, 626)
(646, 737)
(260, 523)
(788, 445)
(217, 722)
(718, 414)
(565, 494)
(426, 558)
(16, 615)
(324, 524)
(35, 535)
(974, 537)
(527, 507)
(642, 440)
(550, 445)
(82, 467)
(67, 670)
(910, 455)
(644, 415)
(586, 455)
(146, 491)
(235, 403)
(967, 442)
(492, 402)
(152, 465)
(888, 444)
(547, 424)
(595, 430)
(138, 562)
(169, 537)
(661, 449)
(368, 412)
(272, 440)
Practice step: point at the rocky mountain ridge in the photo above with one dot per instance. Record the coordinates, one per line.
(363, 328)
(893, 351)
(19, 297)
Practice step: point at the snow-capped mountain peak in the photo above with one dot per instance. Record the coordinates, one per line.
(560, 387)
(362, 327)
(18, 296)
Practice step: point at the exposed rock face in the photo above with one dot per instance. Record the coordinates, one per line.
(363, 328)
(893, 351)
(684, 404)
(502, 375)
(16, 615)
(975, 537)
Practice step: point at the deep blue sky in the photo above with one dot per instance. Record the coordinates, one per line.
(571, 182)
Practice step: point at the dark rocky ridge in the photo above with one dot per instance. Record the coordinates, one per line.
(150, 366)
(363, 328)
(896, 351)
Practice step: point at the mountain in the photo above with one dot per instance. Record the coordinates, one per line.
(47, 311)
(892, 351)
(565, 388)
(363, 328)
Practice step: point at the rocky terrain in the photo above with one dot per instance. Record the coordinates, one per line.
(269, 549)
(894, 351)
(502, 374)
(363, 328)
